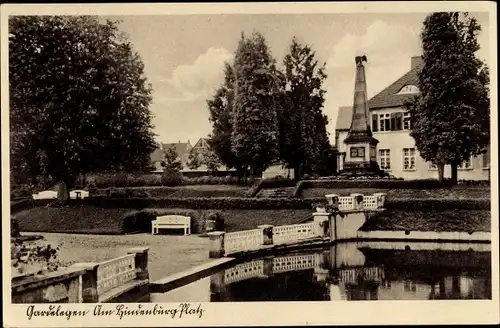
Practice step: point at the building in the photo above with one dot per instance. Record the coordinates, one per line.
(390, 125)
(182, 150)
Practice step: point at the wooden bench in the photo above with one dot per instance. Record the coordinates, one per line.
(171, 222)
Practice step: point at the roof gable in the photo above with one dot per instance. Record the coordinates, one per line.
(181, 148)
(344, 118)
(389, 97)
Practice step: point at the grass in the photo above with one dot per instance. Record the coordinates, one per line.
(458, 192)
(432, 220)
(185, 191)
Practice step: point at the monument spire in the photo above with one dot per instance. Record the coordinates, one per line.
(361, 146)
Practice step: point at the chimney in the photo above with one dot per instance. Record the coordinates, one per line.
(416, 61)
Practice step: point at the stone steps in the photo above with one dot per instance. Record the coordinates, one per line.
(276, 193)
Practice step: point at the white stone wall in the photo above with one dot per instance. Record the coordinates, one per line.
(397, 140)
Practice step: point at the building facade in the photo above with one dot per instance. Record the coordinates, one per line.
(391, 125)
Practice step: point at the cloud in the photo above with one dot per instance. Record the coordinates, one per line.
(388, 47)
(200, 78)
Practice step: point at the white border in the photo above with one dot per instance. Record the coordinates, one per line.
(278, 313)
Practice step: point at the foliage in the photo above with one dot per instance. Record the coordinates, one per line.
(451, 115)
(26, 254)
(268, 184)
(221, 108)
(257, 91)
(172, 162)
(212, 162)
(304, 143)
(171, 178)
(77, 89)
(194, 159)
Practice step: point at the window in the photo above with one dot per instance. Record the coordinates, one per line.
(408, 89)
(385, 159)
(432, 166)
(357, 152)
(466, 165)
(406, 121)
(486, 159)
(385, 122)
(408, 159)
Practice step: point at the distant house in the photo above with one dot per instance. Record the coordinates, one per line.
(182, 150)
(157, 157)
(202, 147)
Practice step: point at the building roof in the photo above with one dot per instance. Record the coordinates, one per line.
(181, 148)
(386, 98)
(158, 154)
(389, 97)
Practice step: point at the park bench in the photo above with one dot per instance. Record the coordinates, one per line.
(171, 222)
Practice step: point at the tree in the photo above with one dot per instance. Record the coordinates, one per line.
(221, 117)
(256, 99)
(212, 162)
(451, 116)
(172, 162)
(304, 143)
(194, 159)
(79, 99)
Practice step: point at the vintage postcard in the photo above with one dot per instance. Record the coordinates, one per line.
(223, 164)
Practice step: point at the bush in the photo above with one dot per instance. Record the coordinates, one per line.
(478, 183)
(23, 191)
(375, 183)
(171, 178)
(439, 204)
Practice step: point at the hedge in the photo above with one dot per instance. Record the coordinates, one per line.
(438, 204)
(161, 192)
(380, 184)
(269, 184)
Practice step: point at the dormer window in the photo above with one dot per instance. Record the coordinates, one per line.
(408, 89)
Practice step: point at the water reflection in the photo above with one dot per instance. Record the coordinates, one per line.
(350, 271)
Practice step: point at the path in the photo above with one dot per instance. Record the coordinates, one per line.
(167, 254)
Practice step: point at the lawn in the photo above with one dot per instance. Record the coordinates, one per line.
(95, 220)
(167, 254)
(432, 220)
(458, 192)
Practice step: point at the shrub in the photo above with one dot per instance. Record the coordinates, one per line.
(24, 254)
(22, 191)
(171, 178)
(277, 182)
(439, 204)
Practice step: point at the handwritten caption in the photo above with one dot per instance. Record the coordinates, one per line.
(119, 310)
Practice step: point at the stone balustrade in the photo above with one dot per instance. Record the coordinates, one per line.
(322, 226)
(85, 282)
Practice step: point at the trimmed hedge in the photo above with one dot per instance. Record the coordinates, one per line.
(438, 204)
(269, 184)
(380, 184)
(165, 192)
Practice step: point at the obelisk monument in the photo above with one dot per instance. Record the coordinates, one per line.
(361, 146)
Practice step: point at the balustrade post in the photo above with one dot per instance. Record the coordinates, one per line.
(89, 281)
(217, 247)
(333, 200)
(141, 261)
(357, 201)
(380, 196)
(267, 233)
(268, 266)
(321, 226)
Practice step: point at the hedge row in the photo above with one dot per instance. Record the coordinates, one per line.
(153, 180)
(269, 184)
(254, 203)
(379, 184)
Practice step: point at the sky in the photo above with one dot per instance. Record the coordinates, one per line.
(184, 56)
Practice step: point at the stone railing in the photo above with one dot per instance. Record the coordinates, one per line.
(85, 282)
(107, 280)
(293, 232)
(243, 240)
(267, 235)
(356, 202)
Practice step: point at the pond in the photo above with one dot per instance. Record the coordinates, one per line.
(349, 271)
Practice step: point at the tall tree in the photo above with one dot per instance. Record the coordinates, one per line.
(211, 160)
(172, 162)
(451, 115)
(79, 99)
(194, 159)
(221, 117)
(304, 143)
(256, 101)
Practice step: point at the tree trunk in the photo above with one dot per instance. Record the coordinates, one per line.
(440, 172)
(296, 171)
(62, 191)
(454, 173)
